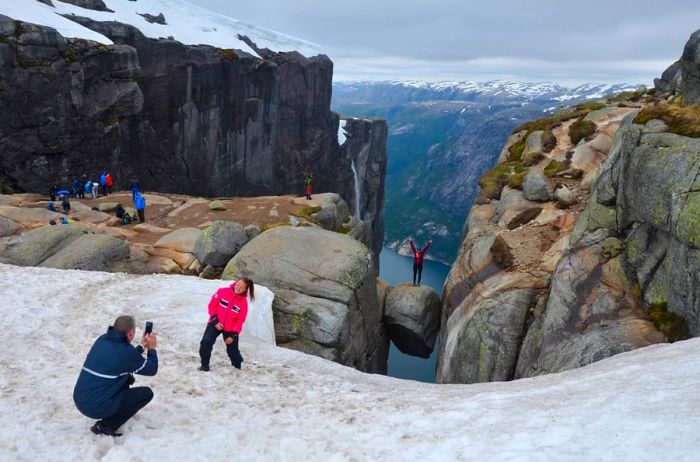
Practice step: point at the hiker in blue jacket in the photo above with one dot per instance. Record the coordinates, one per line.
(102, 391)
(140, 204)
(103, 182)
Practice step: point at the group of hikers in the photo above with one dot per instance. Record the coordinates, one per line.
(84, 185)
(79, 187)
(103, 390)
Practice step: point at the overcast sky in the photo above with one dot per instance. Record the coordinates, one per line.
(568, 42)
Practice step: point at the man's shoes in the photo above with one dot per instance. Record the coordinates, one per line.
(204, 368)
(99, 429)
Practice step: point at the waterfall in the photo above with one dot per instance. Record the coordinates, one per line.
(357, 191)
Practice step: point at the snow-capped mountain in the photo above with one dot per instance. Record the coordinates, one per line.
(496, 90)
(183, 21)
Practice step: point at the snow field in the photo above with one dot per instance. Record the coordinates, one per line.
(287, 406)
(185, 22)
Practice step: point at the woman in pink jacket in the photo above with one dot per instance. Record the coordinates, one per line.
(228, 309)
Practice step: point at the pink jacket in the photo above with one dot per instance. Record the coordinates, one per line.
(230, 308)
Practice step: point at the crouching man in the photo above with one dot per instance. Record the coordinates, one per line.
(103, 388)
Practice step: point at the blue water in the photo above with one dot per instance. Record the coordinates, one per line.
(397, 269)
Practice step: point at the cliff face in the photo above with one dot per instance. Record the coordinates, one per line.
(584, 241)
(192, 119)
(366, 148)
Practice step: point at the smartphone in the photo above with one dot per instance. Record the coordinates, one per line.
(149, 327)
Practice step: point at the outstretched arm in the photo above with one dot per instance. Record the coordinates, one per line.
(413, 246)
(425, 249)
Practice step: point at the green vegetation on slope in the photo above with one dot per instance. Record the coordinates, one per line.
(680, 120)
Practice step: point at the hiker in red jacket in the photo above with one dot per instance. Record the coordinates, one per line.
(418, 259)
(228, 309)
(108, 182)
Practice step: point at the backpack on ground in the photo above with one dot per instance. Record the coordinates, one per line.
(126, 219)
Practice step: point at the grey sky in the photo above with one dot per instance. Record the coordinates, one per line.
(538, 40)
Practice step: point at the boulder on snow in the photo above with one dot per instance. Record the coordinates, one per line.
(39, 244)
(327, 301)
(412, 318)
(219, 242)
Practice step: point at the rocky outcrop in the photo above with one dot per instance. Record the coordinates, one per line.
(65, 247)
(179, 118)
(326, 300)
(530, 295)
(670, 79)
(219, 242)
(690, 69)
(412, 318)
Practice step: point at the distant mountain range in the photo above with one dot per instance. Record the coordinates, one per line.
(442, 137)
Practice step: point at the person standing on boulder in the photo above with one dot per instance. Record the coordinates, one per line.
(418, 256)
(228, 309)
(309, 183)
(95, 191)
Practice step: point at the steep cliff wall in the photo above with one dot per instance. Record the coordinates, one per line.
(181, 118)
(366, 147)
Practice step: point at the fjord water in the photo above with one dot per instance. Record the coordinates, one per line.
(397, 269)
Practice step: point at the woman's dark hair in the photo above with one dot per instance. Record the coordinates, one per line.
(251, 287)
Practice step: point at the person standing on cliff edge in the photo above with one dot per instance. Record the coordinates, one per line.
(309, 183)
(418, 256)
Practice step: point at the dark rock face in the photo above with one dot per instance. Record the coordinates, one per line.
(160, 19)
(366, 147)
(97, 5)
(65, 101)
(690, 69)
(670, 79)
(192, 119)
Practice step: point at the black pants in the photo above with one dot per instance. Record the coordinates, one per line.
(136, 398)
(142, 215)
(81, 193)
(207, 343)
(417, 269)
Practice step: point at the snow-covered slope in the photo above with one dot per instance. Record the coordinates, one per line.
(44, 15)
(185, 22)
(285, 405)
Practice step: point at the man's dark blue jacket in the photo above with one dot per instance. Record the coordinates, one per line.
(104, 379)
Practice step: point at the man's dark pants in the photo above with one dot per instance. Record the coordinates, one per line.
(207, 343)
(134, 400)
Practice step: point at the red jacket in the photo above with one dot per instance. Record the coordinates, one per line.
(418, 254)
(230, 308)
(108, 179)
